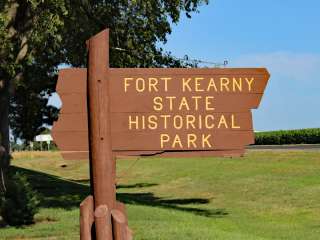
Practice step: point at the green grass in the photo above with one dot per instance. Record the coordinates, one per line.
(265, 195)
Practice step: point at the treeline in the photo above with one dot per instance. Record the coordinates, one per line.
(37, 146)
(299, 136)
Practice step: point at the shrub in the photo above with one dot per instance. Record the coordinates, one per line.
(300, 136)
(19, 203)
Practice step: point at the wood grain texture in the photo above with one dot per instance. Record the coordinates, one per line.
(102, 162)
(71, 87)
(71, 130)
(119, 226)
(86, 218)
(103, 224)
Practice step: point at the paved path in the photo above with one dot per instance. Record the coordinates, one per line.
(308, 147)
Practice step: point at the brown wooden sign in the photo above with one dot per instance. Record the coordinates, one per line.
(173, 112)
(165, 110)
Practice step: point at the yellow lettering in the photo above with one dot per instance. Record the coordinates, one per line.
(157, 104)
(249, 83)
(164, 138)
(212, 84)
(126, 83)
(185, 84)
(205, 140)
(208, 125)
(165, 120)
(177, 140)
(224, 82)
(177, 122)
(152, 122)
(208, 103)
(133, 122)
(153, 82)
(171, 102)
(140, 85)
(223, 122)
(233, 122)
(197, 84)
(190, 121)
(237, 84)
(166, 79)
(196, 102)
(200, 122)
(143, 122)
(184, 103)
(192, 138)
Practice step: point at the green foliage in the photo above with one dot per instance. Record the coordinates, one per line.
(19, 203)
(36, 36)
(300, 136)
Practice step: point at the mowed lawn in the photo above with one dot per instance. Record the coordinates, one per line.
(264, 195)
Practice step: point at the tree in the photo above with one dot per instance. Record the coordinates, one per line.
(38, 35)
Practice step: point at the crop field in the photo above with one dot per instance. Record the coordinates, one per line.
(262, 196)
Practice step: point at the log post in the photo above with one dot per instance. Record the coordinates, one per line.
(102, 219)
(119, 226)
(86, 218)
(102, 161)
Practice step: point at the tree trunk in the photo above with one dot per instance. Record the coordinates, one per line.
(4, 136)
(4, 125)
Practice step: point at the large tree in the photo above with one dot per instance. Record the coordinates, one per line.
(38, 35)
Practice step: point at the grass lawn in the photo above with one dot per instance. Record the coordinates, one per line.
(265, 195)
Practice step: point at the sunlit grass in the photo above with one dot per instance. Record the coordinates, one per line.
(264, 195)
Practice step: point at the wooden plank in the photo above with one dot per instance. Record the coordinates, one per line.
(77, 122)
(126, 141)
(73, 103)
(220, 103)
(76, 103)
(183, 154)
(71, 140)
(218, 140)
(194, 83)
(155, 122)
(72, 80)
(73, 114)
(160, 122)
(167, 154)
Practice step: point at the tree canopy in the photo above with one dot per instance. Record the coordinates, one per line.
(36, 36)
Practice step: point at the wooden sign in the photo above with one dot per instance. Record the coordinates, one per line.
(170, 111)
(108, 112)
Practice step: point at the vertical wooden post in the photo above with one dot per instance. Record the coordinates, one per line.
(102, 219)
(119, 226)
(103, 163)
(86, 218)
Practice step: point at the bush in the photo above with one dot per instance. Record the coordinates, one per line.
(300, 136)
(19, 203)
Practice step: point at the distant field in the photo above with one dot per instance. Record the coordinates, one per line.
(263, 196)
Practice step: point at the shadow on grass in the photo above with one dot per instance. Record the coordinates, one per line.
(61, 193)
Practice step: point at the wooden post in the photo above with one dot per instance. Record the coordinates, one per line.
(102, 219)
(119, 227)
(86, 218)
(122, 208)
(102, 161)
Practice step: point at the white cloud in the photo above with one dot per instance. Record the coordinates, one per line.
(294, 66)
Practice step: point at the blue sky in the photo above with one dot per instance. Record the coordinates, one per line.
(281, 35)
